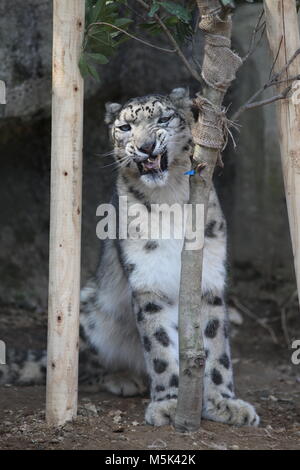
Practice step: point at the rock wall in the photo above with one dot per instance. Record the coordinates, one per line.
(250, 185)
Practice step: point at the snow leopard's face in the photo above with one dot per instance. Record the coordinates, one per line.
(151, 134)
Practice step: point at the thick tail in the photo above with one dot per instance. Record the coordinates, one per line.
(29, 367)
(24, 367)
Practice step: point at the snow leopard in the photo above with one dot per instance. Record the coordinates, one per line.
(129, 309)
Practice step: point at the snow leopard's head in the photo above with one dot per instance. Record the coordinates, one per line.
(152, 135)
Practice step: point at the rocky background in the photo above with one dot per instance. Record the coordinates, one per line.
(250, 185)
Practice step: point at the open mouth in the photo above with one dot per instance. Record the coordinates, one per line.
(154, 164)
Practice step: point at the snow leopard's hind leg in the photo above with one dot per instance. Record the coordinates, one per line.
(92, 372)
(93, 367)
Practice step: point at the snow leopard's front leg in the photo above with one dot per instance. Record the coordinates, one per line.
(220, 403)
(156, 317)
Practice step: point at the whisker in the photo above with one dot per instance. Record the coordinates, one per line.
(105, 154)
(117, 163)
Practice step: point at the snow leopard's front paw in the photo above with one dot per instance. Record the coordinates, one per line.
(159, 413)
(230, 411)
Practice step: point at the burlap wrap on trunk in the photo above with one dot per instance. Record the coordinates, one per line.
(220, 62)
(219, 68)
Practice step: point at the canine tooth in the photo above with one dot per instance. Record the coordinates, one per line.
(159, 160)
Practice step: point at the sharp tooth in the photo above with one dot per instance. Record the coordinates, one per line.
(159, 160)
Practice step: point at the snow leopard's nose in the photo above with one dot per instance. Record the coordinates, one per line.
(147, 147)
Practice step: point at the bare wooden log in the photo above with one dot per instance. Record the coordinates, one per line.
(65, 212)
(214, 21)
(284, 40)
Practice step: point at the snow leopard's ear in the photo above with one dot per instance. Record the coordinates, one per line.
(112, 110)
(180, 97)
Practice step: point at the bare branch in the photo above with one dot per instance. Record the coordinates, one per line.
(274, 80)
(275, 58)
(257, 104)
(286, 66)
(253, 43)
(283, 319)
(274, 98)
(251, 315)
(146, 43)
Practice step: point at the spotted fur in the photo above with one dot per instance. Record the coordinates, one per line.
(130, 309)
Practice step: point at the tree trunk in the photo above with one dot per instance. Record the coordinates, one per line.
(283, 36)
(218, 70)
(65, 212)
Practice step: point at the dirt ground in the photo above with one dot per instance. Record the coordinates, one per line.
(265, 376)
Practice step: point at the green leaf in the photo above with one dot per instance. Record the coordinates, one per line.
(98, 57)
(97, 10)
(123, 21)
(154, 8)
(102, 38)
(152, 28)
(83, 66)
(106, 50)
(183, 32)
(171, 21)
(120, 41)
(178, 10)
(111, 8)
(93, 72)
(115, 34)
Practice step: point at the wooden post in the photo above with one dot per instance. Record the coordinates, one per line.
(284, 40)
(65, 212)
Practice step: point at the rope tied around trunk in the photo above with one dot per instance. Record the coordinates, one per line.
(212, 129)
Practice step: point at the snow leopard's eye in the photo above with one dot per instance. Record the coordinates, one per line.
(165, 119)
(125, 127)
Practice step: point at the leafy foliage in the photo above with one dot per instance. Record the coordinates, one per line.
(109, 23)
(101, 40)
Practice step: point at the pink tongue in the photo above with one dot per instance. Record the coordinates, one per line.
(151, 165)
